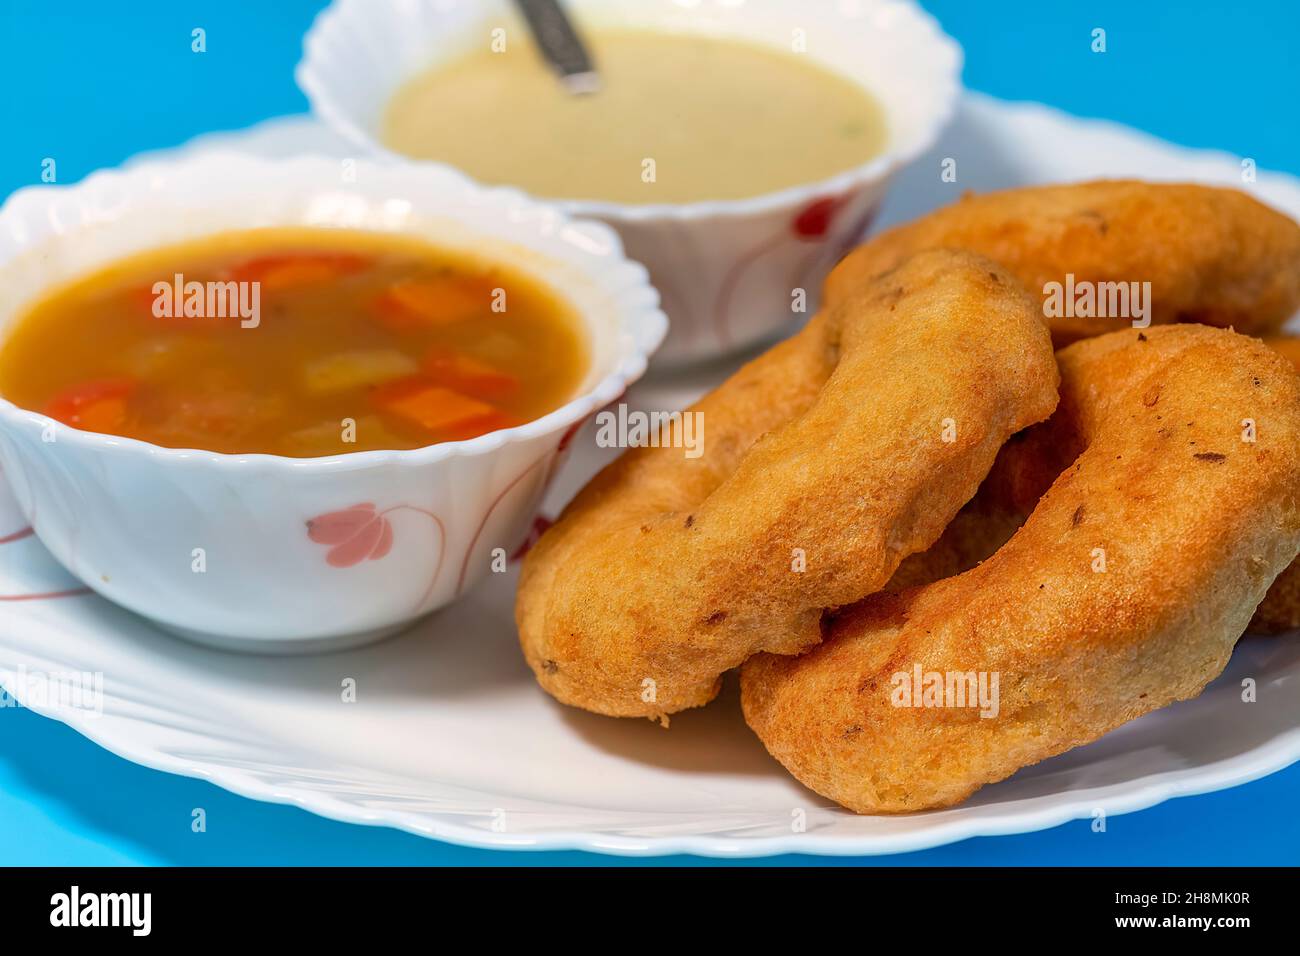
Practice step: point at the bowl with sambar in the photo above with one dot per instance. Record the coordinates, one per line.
(293, 405)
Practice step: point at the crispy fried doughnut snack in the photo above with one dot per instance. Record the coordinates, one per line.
(1125, 590)
(826, 461)
(1212, 255)
(1023, 471)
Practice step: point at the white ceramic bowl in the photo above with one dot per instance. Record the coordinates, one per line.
(726, 269)
(126, 516)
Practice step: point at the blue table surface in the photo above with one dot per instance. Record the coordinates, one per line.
(91, 83)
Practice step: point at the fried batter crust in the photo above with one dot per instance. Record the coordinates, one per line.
(827, 451)
(1192, 522)
(1023, 470)
(1212, 255)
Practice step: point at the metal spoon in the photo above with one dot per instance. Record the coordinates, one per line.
(560, 44)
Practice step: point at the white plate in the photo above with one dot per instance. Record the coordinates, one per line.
(449, 736)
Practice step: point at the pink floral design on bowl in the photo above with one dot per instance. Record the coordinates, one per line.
(356, 534)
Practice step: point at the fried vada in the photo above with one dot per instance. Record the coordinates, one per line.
(826, 461)
(1211, 255)
(1176, 503)
(1022, 472)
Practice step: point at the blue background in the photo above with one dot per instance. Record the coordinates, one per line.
(91, 83)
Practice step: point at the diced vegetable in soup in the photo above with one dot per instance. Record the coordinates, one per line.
(296, 342)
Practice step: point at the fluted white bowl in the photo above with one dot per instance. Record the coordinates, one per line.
(129, 518)
(727, 269)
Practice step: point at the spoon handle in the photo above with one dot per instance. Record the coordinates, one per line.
(560, 44)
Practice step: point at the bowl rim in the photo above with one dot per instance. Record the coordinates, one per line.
(640, 325)
(948, 55)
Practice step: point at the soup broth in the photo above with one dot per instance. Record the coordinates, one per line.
(299, 342)
(720, 119)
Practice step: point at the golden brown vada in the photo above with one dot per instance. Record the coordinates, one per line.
(1211, 255)
(1176, 505)
(1021, 473)
(826, 461)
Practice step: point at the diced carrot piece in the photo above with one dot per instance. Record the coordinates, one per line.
(143, 298)
(430, 406)
(414, 303)
(276, 272)
(467, 374)
(478, 426)
(438, 410)
(106, 415)
(295, 274)
(95, 406)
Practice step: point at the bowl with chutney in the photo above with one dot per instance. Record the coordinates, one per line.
(739, 147)
(293, 405)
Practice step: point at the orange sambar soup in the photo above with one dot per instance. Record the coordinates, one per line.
(299, 342)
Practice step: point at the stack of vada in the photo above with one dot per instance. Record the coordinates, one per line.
(915, 482)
